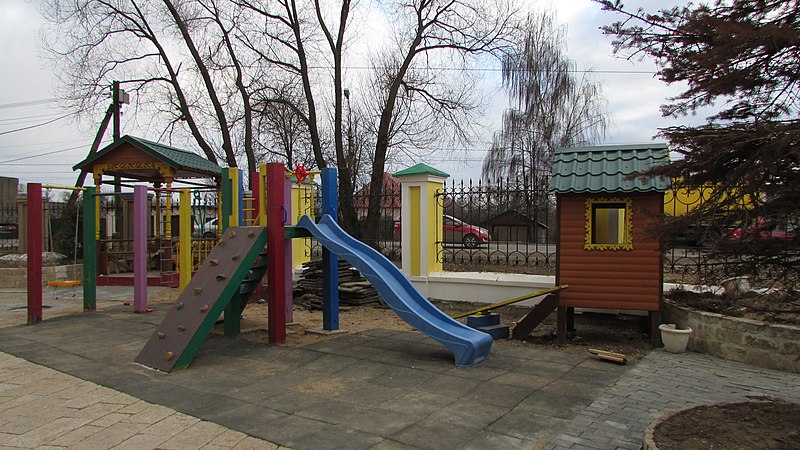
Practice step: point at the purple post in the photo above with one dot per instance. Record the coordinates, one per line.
(140, 249)
(34, 237)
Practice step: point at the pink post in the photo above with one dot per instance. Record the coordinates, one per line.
(34, 241)
(140, 249)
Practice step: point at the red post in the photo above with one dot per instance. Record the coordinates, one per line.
(34, 242)
(277, 214)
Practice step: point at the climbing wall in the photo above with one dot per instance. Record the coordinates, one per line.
(179, 336)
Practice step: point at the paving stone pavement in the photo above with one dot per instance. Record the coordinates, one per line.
(381, 389)
(43, 408)
(664, 382)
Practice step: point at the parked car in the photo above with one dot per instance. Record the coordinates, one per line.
(457, 232)
(765, 230)
(9, 231)
(207, 230)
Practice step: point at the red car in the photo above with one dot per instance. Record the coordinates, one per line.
(458, 232)
(765, 230)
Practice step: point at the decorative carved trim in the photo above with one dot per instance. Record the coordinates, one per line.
(628, 244)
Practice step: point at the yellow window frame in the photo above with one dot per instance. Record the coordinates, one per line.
(627, 229)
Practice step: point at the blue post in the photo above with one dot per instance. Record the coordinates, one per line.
(330, 262)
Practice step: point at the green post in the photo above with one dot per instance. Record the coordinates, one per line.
(89, 250)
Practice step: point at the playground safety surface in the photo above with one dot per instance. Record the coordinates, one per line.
(385, 388)
(382, 389)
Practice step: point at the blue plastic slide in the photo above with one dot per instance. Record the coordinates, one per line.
(469, 346)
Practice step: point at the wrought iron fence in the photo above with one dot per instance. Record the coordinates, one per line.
(506, 225)
(9, 229)
(385, 237)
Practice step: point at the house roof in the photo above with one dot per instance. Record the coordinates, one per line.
(389, 199)
(185, 163)
(607, 169)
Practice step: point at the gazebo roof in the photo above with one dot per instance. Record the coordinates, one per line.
(608, 169)
(137, 158)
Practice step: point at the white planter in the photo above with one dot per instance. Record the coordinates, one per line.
(675, 340)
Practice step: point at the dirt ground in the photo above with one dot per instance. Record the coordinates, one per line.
(746, 426)
(615, 333)
(773, 307)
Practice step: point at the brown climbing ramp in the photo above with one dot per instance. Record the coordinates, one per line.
(183, 327)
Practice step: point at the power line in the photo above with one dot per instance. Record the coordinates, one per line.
(38, 116)
(34, 126)
(46, 143)
(41, 154)
(27, 103)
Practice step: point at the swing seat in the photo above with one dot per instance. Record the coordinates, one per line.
(66, 283)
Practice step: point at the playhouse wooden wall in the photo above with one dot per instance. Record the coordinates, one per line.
(609, 279)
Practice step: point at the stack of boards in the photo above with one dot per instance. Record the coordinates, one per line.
(354, 289)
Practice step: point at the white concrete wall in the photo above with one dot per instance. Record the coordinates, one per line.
(482, 287)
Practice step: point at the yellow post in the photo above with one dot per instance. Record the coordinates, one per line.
(421, 219)
(185, 244)
(168, 213)
(302, 204)
(233, 174)
(262, 196)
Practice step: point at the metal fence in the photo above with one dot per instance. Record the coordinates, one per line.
(9, 229)
(506, 226)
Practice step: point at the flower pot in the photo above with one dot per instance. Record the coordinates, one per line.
(735, 287)
(675, 340)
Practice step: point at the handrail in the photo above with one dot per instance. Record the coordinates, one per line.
(486, 308)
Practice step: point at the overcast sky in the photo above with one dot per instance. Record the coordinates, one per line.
(46, 152)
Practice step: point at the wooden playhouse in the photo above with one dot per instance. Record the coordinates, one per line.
(604, 251)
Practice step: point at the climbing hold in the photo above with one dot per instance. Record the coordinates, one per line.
(148, 310)
(221, 277)
(181, 329)
(169, 356)
(160, 335)
(179, 305)
(126, 303)
(198, 290)
(250, 233)
(214, 262)
(232, 234)
(221, 243)
(204, 309)
(236, 256)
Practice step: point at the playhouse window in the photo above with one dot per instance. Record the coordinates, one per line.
(608, 224)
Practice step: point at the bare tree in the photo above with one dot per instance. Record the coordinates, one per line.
(97, 41)
(553, 107)
(431, 31)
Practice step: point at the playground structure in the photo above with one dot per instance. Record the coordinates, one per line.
(238, 261)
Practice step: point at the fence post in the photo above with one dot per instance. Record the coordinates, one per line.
(34, 247)
(421, 219)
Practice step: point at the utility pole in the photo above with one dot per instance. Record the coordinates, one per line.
(118, 97)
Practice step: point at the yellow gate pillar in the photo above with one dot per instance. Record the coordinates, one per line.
(421, 219)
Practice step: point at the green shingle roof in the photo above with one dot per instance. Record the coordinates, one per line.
(604, 169)
(172, 156)
(420, 169)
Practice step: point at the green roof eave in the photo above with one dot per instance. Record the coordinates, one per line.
(421, 169)
(175, 157)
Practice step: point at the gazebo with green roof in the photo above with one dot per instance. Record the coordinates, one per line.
(139, 160)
